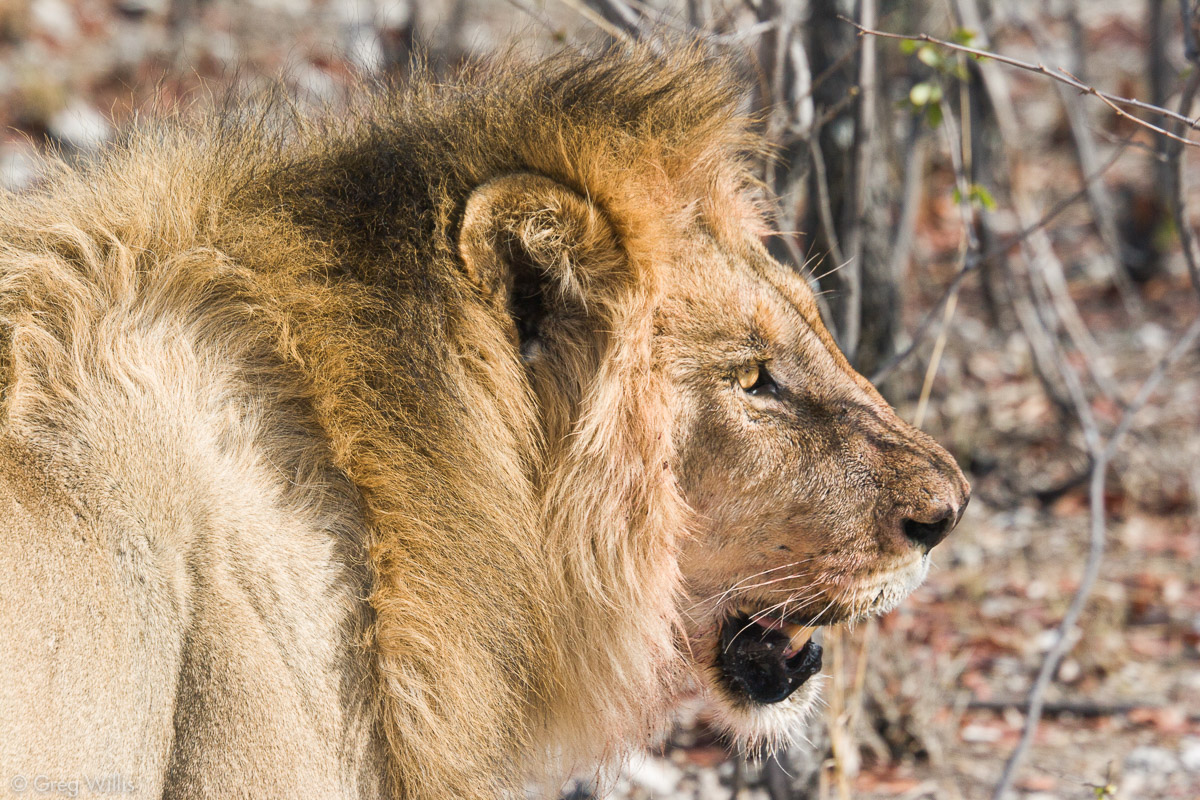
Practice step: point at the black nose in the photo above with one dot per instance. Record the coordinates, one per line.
(927, 533)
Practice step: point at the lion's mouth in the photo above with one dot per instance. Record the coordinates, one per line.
(765, 659)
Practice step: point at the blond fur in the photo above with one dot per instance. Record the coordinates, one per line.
(291, 513)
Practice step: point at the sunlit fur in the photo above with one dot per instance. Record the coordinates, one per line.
(797, 494)
(289, 509)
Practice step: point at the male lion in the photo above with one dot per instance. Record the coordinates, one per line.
(415, 451)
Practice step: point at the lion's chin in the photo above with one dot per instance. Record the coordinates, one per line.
(761, 727)
(763, 680)
(760, 682)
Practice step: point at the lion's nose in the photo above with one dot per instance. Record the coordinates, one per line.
(936, 524)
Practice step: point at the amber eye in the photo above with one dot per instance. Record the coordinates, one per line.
(754, 379)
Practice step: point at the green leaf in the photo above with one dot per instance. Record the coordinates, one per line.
(981, 195)
(908, 47)
(929, 56)
(925, 93)
(933, 114)
(964, 36)
(977, 195)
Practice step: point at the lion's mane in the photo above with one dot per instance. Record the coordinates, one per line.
(513, 533)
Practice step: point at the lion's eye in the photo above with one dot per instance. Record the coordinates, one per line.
(754, 379)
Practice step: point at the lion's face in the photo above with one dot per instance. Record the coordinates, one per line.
(807, 502)
(813, 503)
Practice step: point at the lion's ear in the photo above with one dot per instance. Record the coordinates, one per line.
(542, 252)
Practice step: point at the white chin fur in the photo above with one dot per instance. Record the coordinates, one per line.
(883, 595)
(752, 726)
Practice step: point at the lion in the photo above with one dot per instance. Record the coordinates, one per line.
(429, 448)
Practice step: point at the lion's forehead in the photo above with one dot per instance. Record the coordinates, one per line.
(715, 278)
(727, 298)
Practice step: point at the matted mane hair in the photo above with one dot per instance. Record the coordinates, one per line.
(519, 528)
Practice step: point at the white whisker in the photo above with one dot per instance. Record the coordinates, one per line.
(719, 597)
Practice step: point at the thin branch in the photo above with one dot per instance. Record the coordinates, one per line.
(1066, 312)
(1076, 707)
(1063, 641)
(1059, 74)
(1187, 15)
(1102, 453)
(1187, 242)
(915, 158)
(1185, 343)
(830, 113)
(861, 156)
(618, 14)
(1109, 101)
(1047, 325)
(837, 64)
(959, 160)
(918, 336)
(617, 30)
(934, 360)
(970, 265)
(656, 18)
(824, 207)
(538, 14)
(1086, 155)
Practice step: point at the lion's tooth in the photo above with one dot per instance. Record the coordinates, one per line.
(798, 635)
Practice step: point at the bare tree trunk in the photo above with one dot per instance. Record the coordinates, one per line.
(784, 101)
(1138, 246)
(829, 40)
(853, 251)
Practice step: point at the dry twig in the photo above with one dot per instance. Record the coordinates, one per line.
(1175, 153)
(856, 203)
(1102, 452)
(1085, 152)
(970, 265)
(1113, 101)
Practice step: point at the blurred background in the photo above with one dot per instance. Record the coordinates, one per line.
(1006, 252)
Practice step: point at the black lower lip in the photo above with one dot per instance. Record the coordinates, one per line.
(755, 663)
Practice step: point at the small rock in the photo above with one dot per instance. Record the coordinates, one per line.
(655, 775)
(55, 19)
(980, 734)
(1151, 760)
(19, 167)
(136, 9)
(80, 126)
(1069, 671)
(1189, 753)
(1154, 337)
